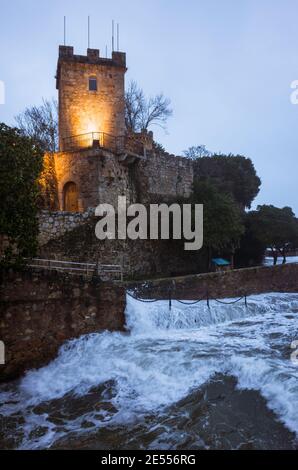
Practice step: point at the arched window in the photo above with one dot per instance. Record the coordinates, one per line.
(70, 197)
(93, 83)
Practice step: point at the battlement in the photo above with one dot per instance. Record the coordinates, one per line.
(66, 54)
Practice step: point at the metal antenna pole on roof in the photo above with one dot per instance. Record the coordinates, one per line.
(106, 51)
(118, 37)
(88, 32)
(64, 30)
(112, 35)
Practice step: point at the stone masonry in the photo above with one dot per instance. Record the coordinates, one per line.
(234, 283)
(81, 110)
(53, 225)
(98, 175)
(97, 159)
(42, 310)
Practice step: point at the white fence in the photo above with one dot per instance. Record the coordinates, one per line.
(104, 271)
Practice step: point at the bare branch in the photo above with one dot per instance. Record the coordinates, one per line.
(41, 124)
(197, 151)
(141, 113)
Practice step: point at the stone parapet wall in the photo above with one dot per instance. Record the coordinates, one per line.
(234, 283)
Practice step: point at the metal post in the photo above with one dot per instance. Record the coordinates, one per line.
(170, 300)
(64, 30)
(122, 267)
(208, 305)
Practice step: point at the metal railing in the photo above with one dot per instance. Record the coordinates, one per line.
(104, 271)
(103, 140)
(96, 140)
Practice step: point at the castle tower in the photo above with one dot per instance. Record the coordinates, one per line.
(91, 98)
(93, 164)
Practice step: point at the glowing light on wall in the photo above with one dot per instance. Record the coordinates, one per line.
(92, 127)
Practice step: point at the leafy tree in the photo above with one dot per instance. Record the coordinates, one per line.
(20, 166)
(141, 113)
(276, 227)
(231, 174)
(197, 151)
(251, 250)
(159, 147)
(41, 124)
(223, 225)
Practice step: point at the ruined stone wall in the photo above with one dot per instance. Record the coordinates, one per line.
(164, 176)
(98, 174)
(101, 176)
(81, 110)
(40, 311)
(55, 224)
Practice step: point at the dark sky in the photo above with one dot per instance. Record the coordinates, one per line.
(227, 66)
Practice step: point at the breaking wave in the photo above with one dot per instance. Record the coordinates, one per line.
(106, 379)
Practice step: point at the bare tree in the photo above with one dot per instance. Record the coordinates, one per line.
(197, 151)
(41, 123)
(141, 113)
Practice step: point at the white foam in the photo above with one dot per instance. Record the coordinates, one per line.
(167, 354)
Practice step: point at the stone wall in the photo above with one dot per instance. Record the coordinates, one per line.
(163, 176)
(141, 258)
(82, 111)
(238, 282)
(53, 225)
(98, 174)
(40, 311)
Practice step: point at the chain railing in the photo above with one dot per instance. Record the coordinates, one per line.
(169, 297)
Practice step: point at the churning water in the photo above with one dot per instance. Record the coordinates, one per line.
(191, 377)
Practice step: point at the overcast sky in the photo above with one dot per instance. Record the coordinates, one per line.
(226, 65)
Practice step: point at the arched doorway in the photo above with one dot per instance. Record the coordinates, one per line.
(70, 197)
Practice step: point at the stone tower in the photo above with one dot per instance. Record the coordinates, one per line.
(97, 159)
(91, 97)
(93, 163)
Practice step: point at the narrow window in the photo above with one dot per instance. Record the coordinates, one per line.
(92, 84)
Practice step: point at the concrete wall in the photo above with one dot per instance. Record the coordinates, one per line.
(238, 282)
(40, 311)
